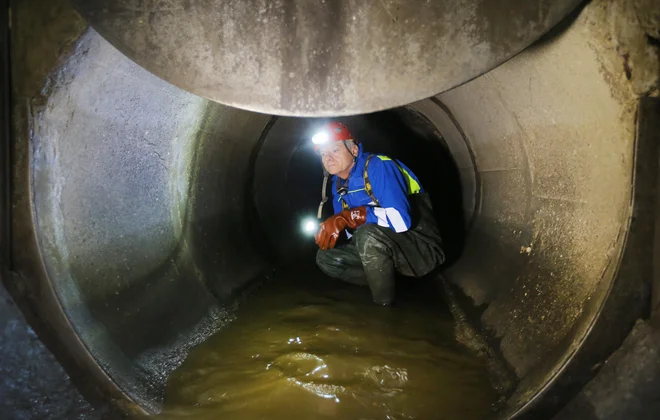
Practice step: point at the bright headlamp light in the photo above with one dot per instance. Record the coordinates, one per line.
(320, 138)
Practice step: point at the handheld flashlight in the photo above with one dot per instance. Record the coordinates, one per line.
(310, 226)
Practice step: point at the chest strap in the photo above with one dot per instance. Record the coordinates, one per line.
(367, 186)
(367, 183)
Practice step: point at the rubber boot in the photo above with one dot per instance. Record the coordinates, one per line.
(375, 250)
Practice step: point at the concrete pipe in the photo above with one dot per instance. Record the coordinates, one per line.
(139, 210)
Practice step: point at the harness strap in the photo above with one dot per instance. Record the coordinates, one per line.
(412, 189)
(367, 183)
(324, 195)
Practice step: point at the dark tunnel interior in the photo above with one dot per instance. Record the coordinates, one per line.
(143, 217)
(401, 133)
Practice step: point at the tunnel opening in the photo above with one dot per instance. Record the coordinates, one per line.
(284, 187)
(405, 133)
(140, 212)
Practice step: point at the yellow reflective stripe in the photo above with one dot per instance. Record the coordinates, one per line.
(413, 186)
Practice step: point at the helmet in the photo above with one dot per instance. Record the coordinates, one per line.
(330, 132)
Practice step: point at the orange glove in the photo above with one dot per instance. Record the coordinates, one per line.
(330, 230)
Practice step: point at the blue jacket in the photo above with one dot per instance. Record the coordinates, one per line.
(391, 183)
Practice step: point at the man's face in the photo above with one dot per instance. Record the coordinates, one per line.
(337, 159)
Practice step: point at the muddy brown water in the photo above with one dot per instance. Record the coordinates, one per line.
(307, 347)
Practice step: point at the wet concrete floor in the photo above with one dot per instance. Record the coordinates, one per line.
(307, 347)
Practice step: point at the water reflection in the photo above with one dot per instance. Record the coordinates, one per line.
(305, 347)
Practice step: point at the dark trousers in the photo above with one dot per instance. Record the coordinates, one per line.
(374, 254)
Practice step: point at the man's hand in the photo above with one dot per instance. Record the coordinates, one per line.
(330, 230)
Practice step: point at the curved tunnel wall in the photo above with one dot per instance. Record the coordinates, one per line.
(120, 229)
(135, 195)
(554, 144)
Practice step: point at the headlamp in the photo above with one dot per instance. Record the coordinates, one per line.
(320, 137)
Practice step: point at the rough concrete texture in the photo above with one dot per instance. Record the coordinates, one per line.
(33, 385)
(648, 14)
(623, 28)
(219, 228)
(107, 229)
(51, 33)
(136, 219)
(321, 58)
(627, 385)
(113, 181)
(553, 131)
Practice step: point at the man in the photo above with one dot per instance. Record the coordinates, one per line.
(387, 215)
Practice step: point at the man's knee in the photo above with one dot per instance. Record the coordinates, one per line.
(341, 263)
(325, 262)
(368, 231)
(334, 262)
(369, 235)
